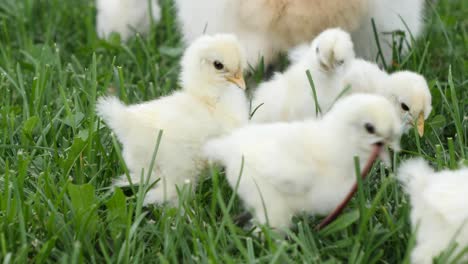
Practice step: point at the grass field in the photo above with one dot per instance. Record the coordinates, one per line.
(57, 159)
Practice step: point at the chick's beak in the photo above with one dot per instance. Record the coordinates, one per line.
(383, 147)
(380, 151)
(237, 79)
(383, 154)
(420, 124)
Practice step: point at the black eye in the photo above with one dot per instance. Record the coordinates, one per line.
(317, 50)
(340, 62)
(370, 128)
(404, 107)
(218, 65)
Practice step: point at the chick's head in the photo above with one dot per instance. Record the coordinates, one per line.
(213, 62)
(332, 49)
(366, 120)
(412, 97)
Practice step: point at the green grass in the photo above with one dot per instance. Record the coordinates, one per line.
(57, 159)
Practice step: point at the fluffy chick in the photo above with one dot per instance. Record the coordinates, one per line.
(268, 27)
(439, 210)
(210, 104)
(304, 166)
(289, 96)
(125, 16)
(408, 91)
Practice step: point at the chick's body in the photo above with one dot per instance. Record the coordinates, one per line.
(301, 166)
(439, 212)
(289, 95)
(268, 27)
(282, 169)
(208, 106)
(364, 77)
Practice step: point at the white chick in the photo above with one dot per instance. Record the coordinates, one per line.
(289, 95)
(439, 210)
(268, 27)
(125, 17)
(211, 103)
(304, 166)
(408, 91)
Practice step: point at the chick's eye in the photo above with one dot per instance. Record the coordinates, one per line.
(370, 128)
(404, 107)
(218, 65)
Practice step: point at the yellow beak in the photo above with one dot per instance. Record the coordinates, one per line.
(237, 79)
(420, 124)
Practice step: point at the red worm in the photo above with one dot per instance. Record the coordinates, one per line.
(333, 215)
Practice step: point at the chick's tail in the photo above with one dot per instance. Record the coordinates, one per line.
(116, 115)
(414, 174)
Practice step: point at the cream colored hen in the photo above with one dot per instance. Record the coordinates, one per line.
(125, 16)
(212, 102)
(268, 27)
